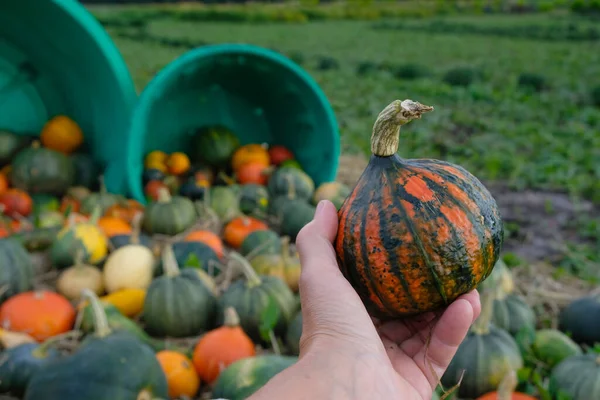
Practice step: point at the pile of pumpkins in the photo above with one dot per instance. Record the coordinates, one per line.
(193, 292)
(506, 341)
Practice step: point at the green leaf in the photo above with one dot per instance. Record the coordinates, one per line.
(268, 319)
(192, 262)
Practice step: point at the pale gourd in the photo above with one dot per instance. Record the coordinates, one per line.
(130, 266)
(80, 276)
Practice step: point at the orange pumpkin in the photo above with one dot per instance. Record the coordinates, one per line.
(16, 202)
(62, 134)
(126, 210)
(238, 228)
(152, 189)
(513, 396)
(253, 172)
(250, 153)
(4, 184)
(222, 346)
(279, 154)
(178, 163)
(41, 314)
(113, 226)
(207, 237)
(182, 378)
(155, 157)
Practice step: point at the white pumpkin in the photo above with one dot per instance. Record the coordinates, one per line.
(74, 279)
(130, 266)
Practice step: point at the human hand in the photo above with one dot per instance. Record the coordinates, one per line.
(346, 354)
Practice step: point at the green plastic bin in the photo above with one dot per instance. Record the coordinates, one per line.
(259, 94)
(55, 58)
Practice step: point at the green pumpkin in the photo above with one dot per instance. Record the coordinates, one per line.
(225, 202)
(261, 242)
(21, 362)
(551, 347)
(254, 200)
(500, 278)
(44, 202)
(214, 146)
(246, 376)
(291, 163)
(16, 269)
(577, 377)
(295, 214)
(169, 215)
(336, 192)
(102, 199)
(37, 240)
(277, 204)
(40, 170)
(292, 182)
(513, 314)
(107, 365)
(293, 334)
(485, 356)
(50, 219)
(178, 304)
(195, 255)
(251, 296)
(11, 144)
(87, 170)
(581, 319)
(283, 265)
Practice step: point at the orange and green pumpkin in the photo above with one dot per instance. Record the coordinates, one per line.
(414, 234)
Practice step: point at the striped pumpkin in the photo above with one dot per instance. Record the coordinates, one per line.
(414, 234)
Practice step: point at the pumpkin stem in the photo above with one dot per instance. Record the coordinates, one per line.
(102, 328)
(136, 224)
(291, 194)
(169, 261)
(96, 214)
(231, 317)
(508, 385)
(42, 350)
(102, 185)
(79, 256)
(163, 195)
(386, 130)
(252, 277)
(482, 325)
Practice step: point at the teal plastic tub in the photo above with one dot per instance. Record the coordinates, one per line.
(55, 58)
(261, 95)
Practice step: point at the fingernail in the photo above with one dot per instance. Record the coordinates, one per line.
(320, 207)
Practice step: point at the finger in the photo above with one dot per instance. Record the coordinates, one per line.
(401, 330)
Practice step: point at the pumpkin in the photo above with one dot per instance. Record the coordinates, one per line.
(10, 339)
(279, 154)
(250, 153)
(69, 204)
(253, 172)
(283, 265)
(221, 347)
(125, 210)
(485, 356)
(87, 170)
(20, 363)
(152, 189)
(102, 199)
(129, 266)
(336, 192)
(194, 189)
(44, 202)
(199, 252)
(169, 215)
(75, 236)
(431, 217)
(132, 370)
(152, 174)
(156, 156)
(501, 278)
(512, 313)
(16, 202)
(62, 134)
(4, 184)
(293, 334)
(178, 163)
(41, 314)
(581, 320)
(577, 376)
(261, 242)
(291, 181)
(11, 144)
(291, 164)
(16, 269)
(202, 173)
(295, 214)
(173, 183)
(182, 378)
(251, 296)
(134, 237)
(79, 193)
(236, 231)
(551, 347)
(214, 145)
(178, 304)
(225, 202)
(50, 219)
(73, 280)
(254, 200)
(506, 390)
(209, 238)
(246, 376)
(129, 301)
(113, 226)
(41, 170)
